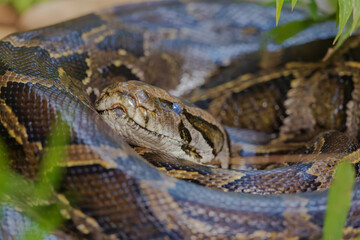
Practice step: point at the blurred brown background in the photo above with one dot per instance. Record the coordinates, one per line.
(53, 11)
(46, 13)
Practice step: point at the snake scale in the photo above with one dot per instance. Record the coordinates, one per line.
(110, 192)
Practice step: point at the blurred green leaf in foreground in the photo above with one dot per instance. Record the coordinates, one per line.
(339, 201)
(36, 198)
(347, 16)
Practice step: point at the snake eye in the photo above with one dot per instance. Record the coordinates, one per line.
(177, 107)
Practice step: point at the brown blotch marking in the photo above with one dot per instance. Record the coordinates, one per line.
(191, 151)
(332, 94)
(243, 82)
(184, 133)
(171, 65)
(353, 109)
(75, 65)
(17, 131)
(73, 86)
(211, 133)
(121, 72)
(350, 232)
(255, 103)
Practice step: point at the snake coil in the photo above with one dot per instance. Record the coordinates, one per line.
(110, 192)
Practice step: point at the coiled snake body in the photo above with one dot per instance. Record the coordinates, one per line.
(110, 192)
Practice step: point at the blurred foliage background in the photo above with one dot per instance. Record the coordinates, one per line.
(22, 5)
(345, 12)
(18, 15)
(21, 15)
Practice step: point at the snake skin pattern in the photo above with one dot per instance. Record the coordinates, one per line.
(108, 190)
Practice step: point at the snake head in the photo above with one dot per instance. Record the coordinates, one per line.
(150, 117)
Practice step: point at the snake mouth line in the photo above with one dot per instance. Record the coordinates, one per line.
(121, 111)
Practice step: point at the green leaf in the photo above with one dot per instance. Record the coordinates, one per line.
(3, 169)
(293, 3)
(33, 232)
(345, 10)
(267, 3)
(288, 30)
(332, 4)
(6, 184)
(339, 200)
(50, 173)
(22, 5)
(345, 35)
(313, 8)
(270, 3)
(36, 200)
(279, 4)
